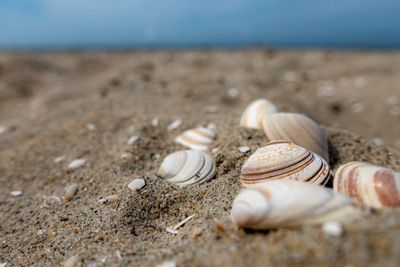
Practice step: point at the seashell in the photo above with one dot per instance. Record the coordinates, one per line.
(187, 167)
(298, 129)
(284, 160)
(198, 138)
(368, 184)
(254, 113)
(288, 203)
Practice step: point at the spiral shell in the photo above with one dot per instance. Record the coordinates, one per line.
(198, 138)
(287, 203)
(254, 112)
(298, 129)
(284, 160)
(187, 167)
(368, 184)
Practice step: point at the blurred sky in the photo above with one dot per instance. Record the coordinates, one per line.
(124, 23)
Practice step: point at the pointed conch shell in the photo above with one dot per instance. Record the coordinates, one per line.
(198, 138)
(298, 129)
(368, 184)
(187, 167)
(254, 112)
(284, 160)
(287, 203)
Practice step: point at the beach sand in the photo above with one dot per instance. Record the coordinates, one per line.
(87, 105)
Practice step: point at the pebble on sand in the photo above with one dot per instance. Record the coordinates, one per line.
(91, 126)
(132, 139)
(167, 264)
(244, 149)
(59, 159)
(3, 129)
(137, 184)
(76, 163)
(175, 124)
(72, 261)
(233, 92)
(332, 228)
(155, 121)
(70, 191)
(16, 193)
(3, 264)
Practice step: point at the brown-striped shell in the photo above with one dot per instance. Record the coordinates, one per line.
(287, 203)
(298, 129)
(284, 160)
(254, 112)
(187, 167)
(199, 138)
(368, 184)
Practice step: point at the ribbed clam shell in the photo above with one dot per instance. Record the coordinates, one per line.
(298, 129)
(368, 184)
(198, 138)
(288, 203)
(254, 112)
(187, 167)
(284, 160)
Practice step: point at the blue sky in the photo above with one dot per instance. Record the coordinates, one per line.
(71, 23)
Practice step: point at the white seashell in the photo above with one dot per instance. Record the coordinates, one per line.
(136, 184)
(76, 163)
(16, 193)
(174, 125)
(284, 160)
(287, 203)
(198, 138)
(187, 167)
(70, 191)
(254, 113)
(332, 228)
(298, 129)
(368, 184)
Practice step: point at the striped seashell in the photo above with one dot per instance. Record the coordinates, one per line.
(254, 112)
(368, 184)
(198, 138)
(287, 203)
(284, 160)
(187, 167)
(298, 129)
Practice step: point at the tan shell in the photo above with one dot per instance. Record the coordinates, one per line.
(368, 184)
(284, 160)
(187, 167)
(287, 203)
(298, 129)
(254, 112)
(198, 138)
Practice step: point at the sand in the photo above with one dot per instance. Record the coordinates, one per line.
(87, 105)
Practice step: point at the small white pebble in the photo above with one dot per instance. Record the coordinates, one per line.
(16, 193)
(118, 255)
(72, 261)
(3, 129)
(91, 127)
(70, 191)
(377, 141)
(137, 184)
(110, 199)
(357, 107)
(155, 121)
(244, 149)
(126, 155)
(215, 150)
(332, 228)
(76, 163)
(132, 139)
(175, 124)
(3, 264)
(167, 264)
(59, 159)
(326, 91)
(233, 92)
(212, 126)
(171, 230)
